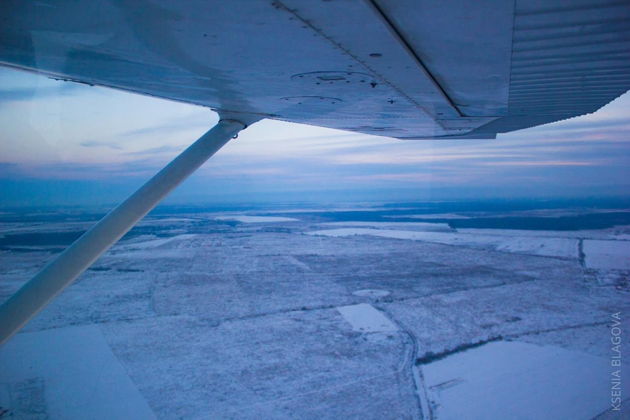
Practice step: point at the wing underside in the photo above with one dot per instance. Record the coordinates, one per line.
(404, 69)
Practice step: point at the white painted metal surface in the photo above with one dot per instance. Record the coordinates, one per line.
(569, 58)
(467, 47)
(62, 271)
(59, 381)
(400, 68)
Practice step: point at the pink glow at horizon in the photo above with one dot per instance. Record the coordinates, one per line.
(61, 131)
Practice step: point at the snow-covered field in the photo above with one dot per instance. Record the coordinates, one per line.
(607, 254)
(195, 318)
(434, 216)
(153, 243)
(554, 247)
(508, 379)
(256, 219)
(597, 253)
(366, 319)
(426, 227)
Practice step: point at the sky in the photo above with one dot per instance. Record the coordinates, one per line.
(68, 144)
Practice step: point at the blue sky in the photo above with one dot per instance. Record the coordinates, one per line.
(69, 144)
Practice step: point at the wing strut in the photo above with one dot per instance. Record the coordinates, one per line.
(62, 271)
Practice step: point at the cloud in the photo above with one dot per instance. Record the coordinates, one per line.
(587, 124)
(412, 177)
(156, 151)
(183, 124)
(16, 94)
(101, 144)
(104, 136)
(403, 158)
(540, 163)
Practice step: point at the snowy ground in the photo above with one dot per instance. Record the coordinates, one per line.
(511, 379)
(553, 247)
(200, 318)
(256, 219)
(613, 253)
(413, 226)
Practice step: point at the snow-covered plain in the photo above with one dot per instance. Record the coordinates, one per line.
(154, 243)
(426, 227)
(607, 254)
(256, 219)
(433, 216)
(597, 253)
(365, 318)
(504, 380)
(262, 320)
(553, 247)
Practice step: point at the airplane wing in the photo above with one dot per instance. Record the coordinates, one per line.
(401, 68)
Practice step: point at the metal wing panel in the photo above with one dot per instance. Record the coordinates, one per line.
(568, 59)
(397, 68)
(466, 45)
(240, 56)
